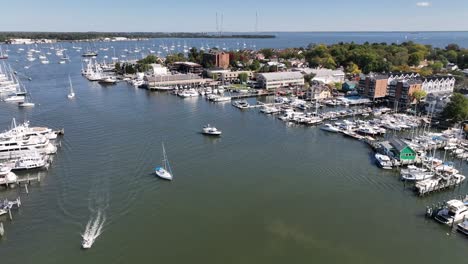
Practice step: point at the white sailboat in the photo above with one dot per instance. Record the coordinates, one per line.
(27, 102)
(71, 95)
(164, 171)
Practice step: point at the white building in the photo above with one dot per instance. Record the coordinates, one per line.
(438, 85)
(273, 80)
(158, 69)
(404, 76)
(327, 76)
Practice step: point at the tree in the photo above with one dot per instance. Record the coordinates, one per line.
(255, 66)
(437, 66)
(457, 109)
(243, 77)
(352, 68)
(268, 53)
(415, 58)
(419, 95)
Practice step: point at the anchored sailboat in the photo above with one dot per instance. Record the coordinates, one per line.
(165, 170)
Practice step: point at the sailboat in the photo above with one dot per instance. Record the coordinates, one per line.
(27, 102)
(71, 95)
(165, 171)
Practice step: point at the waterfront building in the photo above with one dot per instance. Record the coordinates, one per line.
(398, 149)
(319, 92)
(190, 79)
(186, 67)
(438, 84)
(373, 86)
(232, 76)
(435, 103)
(349, 86)
(158, 69)
(400, 92)
(401, 150)
(323, 75)
(274, 80)
(217, 59)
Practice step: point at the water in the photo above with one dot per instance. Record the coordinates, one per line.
(264, 192)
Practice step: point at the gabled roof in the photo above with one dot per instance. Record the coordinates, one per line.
(398, 144)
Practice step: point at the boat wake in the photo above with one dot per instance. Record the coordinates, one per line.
(93, 230)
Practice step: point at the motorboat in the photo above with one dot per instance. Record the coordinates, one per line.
(222, 99)
(89, 54)
(211, 130)
(269, 109)
(29, 162)
(463, 227)
(87, 243)
(453, 212)
(14, 98)
(330, 128)
(188, 93)
(108, 80)
(16, 148)
(71, 94)
(384, 161)
(7, 176)
(241, 104)
(164, 171)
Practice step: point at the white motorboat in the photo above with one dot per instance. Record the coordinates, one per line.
(188, 93)
(463, 227)
(7, 176)
(241, 104)
(222, 99)
(211, 130)
(16, 148)
(29, 162)
(453, 212)
(71, 94)
(269, 109)
(384, 161)
(15, 98)
(164, 171)
(108, 80)
(26, 103)
(330, 128)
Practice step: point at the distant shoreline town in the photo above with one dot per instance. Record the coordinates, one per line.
(51, 37)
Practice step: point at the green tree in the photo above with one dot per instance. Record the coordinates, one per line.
(353, 68)
(255, 66)
(415, 58)
(457, 109)
(243, 77)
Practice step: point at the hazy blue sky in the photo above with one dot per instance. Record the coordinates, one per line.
(200, 15)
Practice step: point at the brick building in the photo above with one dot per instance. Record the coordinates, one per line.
(373, 86)
(217, 59)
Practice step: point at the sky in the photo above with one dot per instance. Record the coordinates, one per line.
(238, 16)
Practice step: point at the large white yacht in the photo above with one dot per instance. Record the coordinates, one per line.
(454, 211)
(24, 130)
(11, 149)
(211, 130)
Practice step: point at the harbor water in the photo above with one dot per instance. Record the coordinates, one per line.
(263, 192)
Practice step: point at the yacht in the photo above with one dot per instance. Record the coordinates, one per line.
(222, 99)
(241, 104)
(71, 94)
(10, 149)
(164, 171)
(330, 128)
(108, 80)
(188, 93)
(453, 212)
(15, 98)
(269, 110)
(24, 130)
(89, 54)
(384, 161)
(26, 103)
(29, 162)
(463, 227)
(211, 130)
